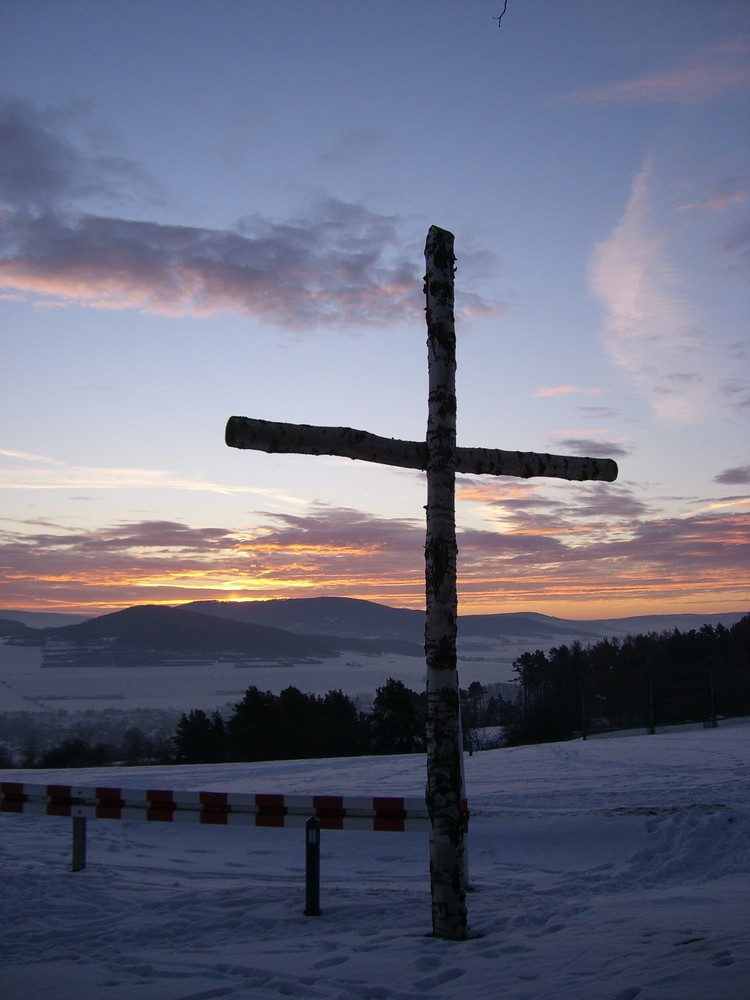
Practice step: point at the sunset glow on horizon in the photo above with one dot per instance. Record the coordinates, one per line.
(582, 571)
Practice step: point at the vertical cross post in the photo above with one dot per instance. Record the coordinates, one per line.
(444, 785)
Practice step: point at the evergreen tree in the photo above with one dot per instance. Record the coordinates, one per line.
(343, 732)
(397, 724)
(253, 727)
(200, 739)
(296, 717)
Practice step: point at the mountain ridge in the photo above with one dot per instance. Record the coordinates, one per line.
(152, 634)
(348, 616)
(340, 615)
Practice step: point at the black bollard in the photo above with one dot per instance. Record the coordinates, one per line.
(312, 867)
(79, 844)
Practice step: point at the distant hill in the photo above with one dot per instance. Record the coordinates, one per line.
(525, 624)
(179, 630)
(530, 624)
(43, 619)
(307, 629)
(12, 628)
(344, 616)
(153, 635)
(643, 624)
(334, 616)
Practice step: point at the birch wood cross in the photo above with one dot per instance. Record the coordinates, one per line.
(439, 456)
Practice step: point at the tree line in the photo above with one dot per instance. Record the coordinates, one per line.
(262, 726)
(82, 749)
(288, 726)
(643, 680)
(294, 725)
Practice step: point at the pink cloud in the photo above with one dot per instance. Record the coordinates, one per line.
(333, 268)
(717, 202)
(712, 72)
(567, 390)
(599, 547)
(334, 264)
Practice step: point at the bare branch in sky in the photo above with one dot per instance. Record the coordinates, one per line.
(499, 19)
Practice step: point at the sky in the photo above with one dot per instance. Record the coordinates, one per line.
(219, 209)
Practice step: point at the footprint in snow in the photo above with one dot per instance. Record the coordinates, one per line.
(440, 979)
(721, 959)
(327, 963)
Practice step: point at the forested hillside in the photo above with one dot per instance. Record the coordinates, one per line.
(643, 680)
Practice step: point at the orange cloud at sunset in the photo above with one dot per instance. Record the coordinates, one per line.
(582, 555)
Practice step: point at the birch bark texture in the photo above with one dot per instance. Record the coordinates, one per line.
(444, 786)
(275, 437)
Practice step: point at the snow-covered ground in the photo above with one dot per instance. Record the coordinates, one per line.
(25, 685)
(605, 869)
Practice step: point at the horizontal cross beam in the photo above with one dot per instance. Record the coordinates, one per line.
(346, 442)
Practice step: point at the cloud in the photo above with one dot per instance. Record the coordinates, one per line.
(337, 547)
(598, 412)
(736, 244)
(355, 147)
(728, 193)
(144, 537)
(737, 393)
(25, 456)
(649, 331)
(41, 170)
(37, 165)
(333, 264)
(567, 390)
(476, 266)
(718, 203)
(591, 511)
(710, 73)
(110, 566)
(739, 475)
(591, 447)
(333, 267)
(595, 546)
(604, 547)
(38, 472)
(328, 549)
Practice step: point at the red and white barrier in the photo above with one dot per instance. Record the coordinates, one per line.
(314, 812)
(334, 812)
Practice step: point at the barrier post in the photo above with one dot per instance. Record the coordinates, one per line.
(79, 844)
(312, 867)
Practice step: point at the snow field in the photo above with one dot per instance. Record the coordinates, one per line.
(601, 870)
